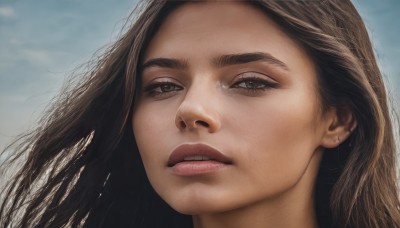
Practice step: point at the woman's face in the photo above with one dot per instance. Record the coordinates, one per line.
(228, 115)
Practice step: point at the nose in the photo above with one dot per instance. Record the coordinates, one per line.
(197, 111)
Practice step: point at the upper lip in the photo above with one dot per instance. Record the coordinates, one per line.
(188, 150)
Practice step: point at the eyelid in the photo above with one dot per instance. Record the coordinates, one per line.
(150, 75)
(150, 87)
(254, 75)
(161, 78)
(253, 84)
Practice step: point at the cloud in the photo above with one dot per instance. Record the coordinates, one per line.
(24, 58)
(6, 11)
(35, 57)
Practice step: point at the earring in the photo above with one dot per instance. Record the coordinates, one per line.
(338, 139)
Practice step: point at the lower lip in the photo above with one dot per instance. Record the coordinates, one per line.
(193, 168)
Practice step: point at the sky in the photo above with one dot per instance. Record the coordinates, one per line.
(42, 42)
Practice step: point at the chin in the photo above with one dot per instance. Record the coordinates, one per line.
(196, 210)
(198, 206)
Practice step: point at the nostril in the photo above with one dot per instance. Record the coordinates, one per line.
(202, 123)
(183, 125)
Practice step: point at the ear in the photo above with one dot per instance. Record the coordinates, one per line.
(340, 123)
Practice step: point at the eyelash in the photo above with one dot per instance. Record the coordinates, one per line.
(152, 89)
(257, 81)
(258, 86)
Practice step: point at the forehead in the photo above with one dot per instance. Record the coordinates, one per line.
(203, 30)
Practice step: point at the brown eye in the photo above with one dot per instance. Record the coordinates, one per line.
(168, 87)
(254, 84)
(162, 88)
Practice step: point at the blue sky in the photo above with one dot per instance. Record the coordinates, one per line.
(42, 42)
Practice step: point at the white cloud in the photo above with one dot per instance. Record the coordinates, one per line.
(36, 57)
(6, 11)
(33, 57)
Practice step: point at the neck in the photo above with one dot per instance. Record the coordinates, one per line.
(259, 216)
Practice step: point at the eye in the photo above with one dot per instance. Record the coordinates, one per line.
(162, 88)
(253, 83)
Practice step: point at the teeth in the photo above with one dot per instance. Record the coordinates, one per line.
(197, 158)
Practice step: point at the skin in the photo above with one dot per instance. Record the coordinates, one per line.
(264, 115)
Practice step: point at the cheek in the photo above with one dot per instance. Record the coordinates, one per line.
(277, 119)
(278, 139)
(151, 120)
(154, 129)
(152, 124)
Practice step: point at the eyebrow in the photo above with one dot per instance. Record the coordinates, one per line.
(166, 63)
(220, 61)
(234, 59)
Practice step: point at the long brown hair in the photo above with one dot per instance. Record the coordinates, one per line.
(82, 167)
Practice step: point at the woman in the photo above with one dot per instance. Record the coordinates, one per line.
(219, 114)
